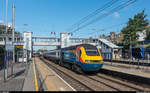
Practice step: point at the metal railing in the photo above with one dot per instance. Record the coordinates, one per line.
(1, 60)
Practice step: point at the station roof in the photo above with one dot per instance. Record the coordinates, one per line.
(108, 43)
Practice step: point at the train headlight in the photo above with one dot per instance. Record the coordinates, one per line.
(93, 61)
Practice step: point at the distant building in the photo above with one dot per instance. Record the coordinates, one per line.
(113, 37)
(142, 35)
(117, 38)
(109, 50)
(18, 36)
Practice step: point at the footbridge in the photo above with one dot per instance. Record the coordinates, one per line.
(64, 40)
(54, 41)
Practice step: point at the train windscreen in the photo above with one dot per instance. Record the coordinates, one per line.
(92, 52)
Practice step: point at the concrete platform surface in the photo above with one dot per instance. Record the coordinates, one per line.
(50, 78)
(29, 79)
(129, 70)
(14, 82)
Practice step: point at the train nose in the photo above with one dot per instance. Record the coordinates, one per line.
(91, 67)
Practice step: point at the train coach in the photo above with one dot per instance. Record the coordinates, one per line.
(81, 58)
(53, 55)
(138, 52)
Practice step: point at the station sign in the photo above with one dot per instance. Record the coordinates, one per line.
(18, 46)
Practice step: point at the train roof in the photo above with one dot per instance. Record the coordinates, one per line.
(87, 46)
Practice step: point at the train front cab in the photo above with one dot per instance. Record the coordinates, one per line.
(90, 59)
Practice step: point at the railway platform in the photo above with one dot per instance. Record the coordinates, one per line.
(141, 71)
(33, 76)
(55, 83)
(15, 81)
(127, 61)
(51, 80)
(37, 76)
(24, 78)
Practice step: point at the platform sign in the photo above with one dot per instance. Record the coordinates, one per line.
(18, 46)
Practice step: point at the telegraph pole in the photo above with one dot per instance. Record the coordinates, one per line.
(13, 37)
(5, 64)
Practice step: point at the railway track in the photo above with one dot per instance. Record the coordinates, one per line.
(72, 81)
(94, 82)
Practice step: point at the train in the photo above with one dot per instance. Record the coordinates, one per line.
(141, 53)
(138, 52)
(80, 58)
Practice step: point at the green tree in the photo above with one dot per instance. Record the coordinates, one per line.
(134, 25)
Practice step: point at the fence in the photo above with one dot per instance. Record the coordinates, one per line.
(107, 56)
(147, 54)
(126, 55)
(1, 58)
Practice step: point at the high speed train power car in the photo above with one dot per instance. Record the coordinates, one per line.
(83, 57)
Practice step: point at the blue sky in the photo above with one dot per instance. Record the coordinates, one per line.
(45, 16)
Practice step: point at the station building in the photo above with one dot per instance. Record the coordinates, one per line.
(109, 50)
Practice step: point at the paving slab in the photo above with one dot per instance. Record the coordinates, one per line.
(14, 82)
(29, 80)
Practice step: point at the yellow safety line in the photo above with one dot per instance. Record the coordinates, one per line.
(35, 78)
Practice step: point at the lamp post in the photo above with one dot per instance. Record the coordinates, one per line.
(24, 26)
(130, 47)
(97, 34)
(5, 63)
(13, 37)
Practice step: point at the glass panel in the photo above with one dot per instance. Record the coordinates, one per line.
(92, 53)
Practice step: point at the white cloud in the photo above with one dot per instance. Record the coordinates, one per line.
(116, 15)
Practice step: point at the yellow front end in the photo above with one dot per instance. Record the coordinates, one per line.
(93, 59)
